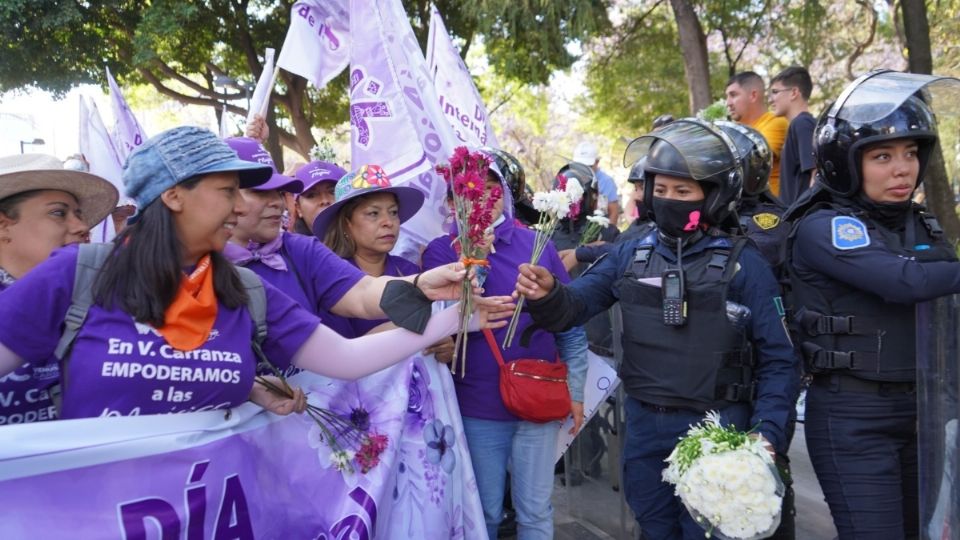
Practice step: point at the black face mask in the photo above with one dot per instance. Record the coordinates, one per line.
(677, 219)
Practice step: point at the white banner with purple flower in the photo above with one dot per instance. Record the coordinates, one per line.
(248, 474)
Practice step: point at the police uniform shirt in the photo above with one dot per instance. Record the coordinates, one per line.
(833, 251)
(753, 285)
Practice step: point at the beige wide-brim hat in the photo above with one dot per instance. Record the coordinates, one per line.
(28, 172)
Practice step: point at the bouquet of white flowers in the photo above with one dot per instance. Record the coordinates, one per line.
(727, 481)
(554, 206)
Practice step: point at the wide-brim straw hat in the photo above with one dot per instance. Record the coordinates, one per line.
(29, 172)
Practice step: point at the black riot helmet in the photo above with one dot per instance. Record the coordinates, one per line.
(588, 181)
(693, 149)
(879, 106)
(635, 176)
(756, 158)
(510, 168)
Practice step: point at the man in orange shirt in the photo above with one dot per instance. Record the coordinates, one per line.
(747, 104)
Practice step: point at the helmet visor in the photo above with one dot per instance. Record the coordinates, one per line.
(705, 151)
(878, 96)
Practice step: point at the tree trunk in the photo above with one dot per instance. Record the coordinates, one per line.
(273, 140)
(693, 44)
(917, 34)
(940, 193)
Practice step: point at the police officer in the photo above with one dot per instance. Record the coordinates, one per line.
(760, 212)
(862, 256)
(702, 330)
(760, 219)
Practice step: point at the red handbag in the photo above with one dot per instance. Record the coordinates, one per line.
(535, 390)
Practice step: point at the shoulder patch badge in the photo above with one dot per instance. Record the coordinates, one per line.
(766, 220)
(849, 233)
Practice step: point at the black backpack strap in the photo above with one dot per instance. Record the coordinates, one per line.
(90, 260)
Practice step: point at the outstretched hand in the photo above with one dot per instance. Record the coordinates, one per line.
(534, 282)
(494, 310)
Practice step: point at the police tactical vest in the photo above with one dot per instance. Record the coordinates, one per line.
(856, 332)
(705, 364)
(763, 224)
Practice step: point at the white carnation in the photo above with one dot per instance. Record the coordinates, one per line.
(574, 190)
(541, 201)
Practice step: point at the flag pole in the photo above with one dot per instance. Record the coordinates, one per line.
(266, 101)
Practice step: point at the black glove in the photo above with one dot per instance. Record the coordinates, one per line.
(406, 306)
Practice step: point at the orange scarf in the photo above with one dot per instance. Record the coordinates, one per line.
(190, 317)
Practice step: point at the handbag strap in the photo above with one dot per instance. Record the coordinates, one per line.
(493, 345)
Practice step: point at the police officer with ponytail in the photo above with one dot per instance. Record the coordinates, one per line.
(862, 255)
(701, 315)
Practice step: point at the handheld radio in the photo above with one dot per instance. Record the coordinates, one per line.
(674, 298)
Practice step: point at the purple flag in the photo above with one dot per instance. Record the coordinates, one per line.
(317, 47)
(395, 116)
(459, 98)
(250, 475)
(127, 133)
(98, 149)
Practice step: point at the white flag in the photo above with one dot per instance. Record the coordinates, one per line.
(261, 94)
(459, 98)
(317, 46)
(225, 129)
(98, 149)
(127, 133)
(395, 116)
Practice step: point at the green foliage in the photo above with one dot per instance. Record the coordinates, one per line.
(635, 75)
(179, 46)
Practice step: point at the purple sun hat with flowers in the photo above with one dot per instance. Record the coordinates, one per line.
(251, 150)
(365, 181)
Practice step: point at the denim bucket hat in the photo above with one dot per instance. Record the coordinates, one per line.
(251, 150)
(367, 180)
(180, 154)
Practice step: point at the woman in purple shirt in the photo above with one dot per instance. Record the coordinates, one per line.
(362, 227)
(495, 436)
(42, 207)
(319, 179)
(169, 330)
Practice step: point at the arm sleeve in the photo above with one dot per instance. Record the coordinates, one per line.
(571, 305)
(804, 137)
(288, 325)
(588, 254)
(778, 375)
(330, 276)
(38, 303)
(572, 347)
(329, 354)
(902, 280)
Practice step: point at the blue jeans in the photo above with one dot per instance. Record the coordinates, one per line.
(530, 451)
(651, 436)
